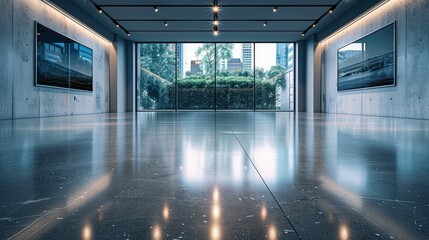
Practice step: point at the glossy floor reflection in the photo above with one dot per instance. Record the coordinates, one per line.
(206, 175)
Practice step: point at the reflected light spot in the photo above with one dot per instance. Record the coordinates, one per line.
(266, 159)
(263, 212)
(237, 166)
(216, 195)
(165, 212)
(87, 232)
(334, 188)
(216, 211)
(344, 232)
(156, 234)
(272, 232)
(194, 164)
(88, 192)
(215, 232)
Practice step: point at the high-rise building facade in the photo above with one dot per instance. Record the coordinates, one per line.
(285, 55)
(223, 65)
(196, 67)
(281, 54)
(290, 56)
(234, 65)
(179, 59)
(247, 53)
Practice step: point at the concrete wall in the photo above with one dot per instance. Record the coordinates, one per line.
(19, 97)
(410, 98)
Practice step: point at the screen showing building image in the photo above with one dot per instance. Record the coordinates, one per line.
(62, 62)
(368, 62)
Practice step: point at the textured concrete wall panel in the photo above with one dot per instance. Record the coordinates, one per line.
(6, 62)
(18, 94)
(410, 96)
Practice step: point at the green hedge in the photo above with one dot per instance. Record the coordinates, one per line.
(233, 92)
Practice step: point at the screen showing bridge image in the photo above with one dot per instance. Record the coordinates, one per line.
(62, 62)
(368, 62)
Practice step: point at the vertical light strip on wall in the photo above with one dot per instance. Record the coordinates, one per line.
(60, 10)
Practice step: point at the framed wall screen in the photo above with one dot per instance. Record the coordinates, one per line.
(368, 62)
(62, 62)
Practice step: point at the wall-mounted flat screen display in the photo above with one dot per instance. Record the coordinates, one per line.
(62, 62)
(368, 62)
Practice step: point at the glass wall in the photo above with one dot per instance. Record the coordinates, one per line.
(234, 76)
(221, 76)
(156, 74)
(196, 78)
(274, 76)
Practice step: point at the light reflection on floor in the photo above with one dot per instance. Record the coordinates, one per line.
(205, 175)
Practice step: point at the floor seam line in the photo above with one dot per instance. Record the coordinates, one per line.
(266, 185)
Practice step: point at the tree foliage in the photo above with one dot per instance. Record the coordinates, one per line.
(158, 59)
(208, 57)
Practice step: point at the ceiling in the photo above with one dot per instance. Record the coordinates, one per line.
(192, 20)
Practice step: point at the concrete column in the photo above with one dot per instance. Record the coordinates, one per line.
(118, 75)
(309, 74)
(300, 76)
(131, 77)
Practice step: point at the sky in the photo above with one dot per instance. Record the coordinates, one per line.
(265, 54)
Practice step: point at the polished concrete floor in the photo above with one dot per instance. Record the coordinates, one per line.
(206, 175)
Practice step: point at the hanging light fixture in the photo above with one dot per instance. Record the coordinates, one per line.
(275, 8)
(155, 8)
(165, 23)
(215, 19)
(215, 6)
(215, 30)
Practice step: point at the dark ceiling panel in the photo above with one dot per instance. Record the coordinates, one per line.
(208, 26)
(203, 13)
(164, 13)
(188, 20)
(221, 2)
(263, 13)
(223, 37)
